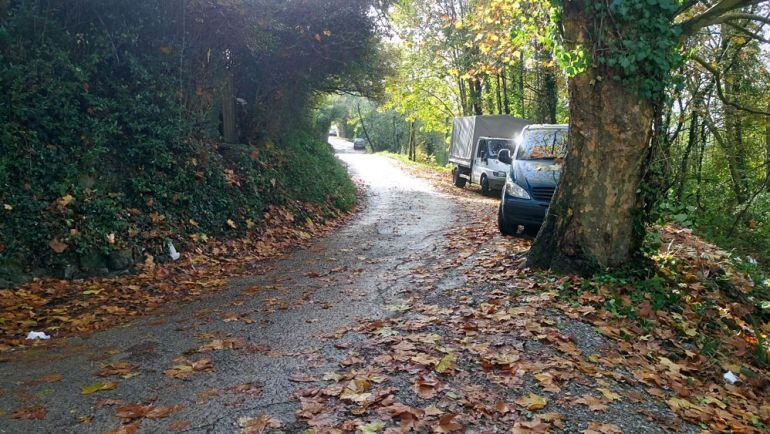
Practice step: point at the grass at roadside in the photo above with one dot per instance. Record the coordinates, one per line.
(404, 159)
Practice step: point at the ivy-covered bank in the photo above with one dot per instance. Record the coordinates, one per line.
(115, 120)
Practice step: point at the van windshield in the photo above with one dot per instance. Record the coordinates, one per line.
(496, 145)
(543, 145)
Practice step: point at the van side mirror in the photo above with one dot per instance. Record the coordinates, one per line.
(504, 156)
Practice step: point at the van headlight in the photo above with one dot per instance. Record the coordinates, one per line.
(499, 174)
(515, 190)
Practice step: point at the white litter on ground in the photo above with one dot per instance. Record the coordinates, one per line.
(730, 377)
(33, 336)
(172, 251)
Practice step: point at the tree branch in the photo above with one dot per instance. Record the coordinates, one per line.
(741, 16)
(720, 91)
(749, 33)
(713, 15)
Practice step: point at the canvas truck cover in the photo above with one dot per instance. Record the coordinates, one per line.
(468, 129)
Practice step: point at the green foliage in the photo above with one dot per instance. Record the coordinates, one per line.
(637, 43)
(385, 128)
(108, 121)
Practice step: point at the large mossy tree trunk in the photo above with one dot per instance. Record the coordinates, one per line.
(592, 221)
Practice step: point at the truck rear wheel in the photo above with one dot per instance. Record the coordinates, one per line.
(458, 180)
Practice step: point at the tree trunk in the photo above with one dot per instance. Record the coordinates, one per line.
(592, 222)
(545, 105)
(229, 126)
(767, 150)
(692, 142)
(506, 105)
(412, 144)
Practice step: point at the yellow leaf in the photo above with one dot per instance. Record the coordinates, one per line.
(446, 363)
(65, 200)
(532, 402)
(98, 387)
(679, 403)
(612, 396)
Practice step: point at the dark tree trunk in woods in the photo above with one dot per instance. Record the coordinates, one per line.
(767, 150)
(506, 105)
(474, 87)
(692, 142)
(412, 144)
(229, 126)
(592, 221)
(546, 91)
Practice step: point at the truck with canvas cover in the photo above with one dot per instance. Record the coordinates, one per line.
(476, 140)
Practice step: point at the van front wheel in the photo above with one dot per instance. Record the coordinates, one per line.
(504, 227)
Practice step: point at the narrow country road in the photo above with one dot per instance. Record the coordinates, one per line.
(266, 335)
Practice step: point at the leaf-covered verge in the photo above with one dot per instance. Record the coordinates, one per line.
(63, 308)
(112, 124)
(481, 343)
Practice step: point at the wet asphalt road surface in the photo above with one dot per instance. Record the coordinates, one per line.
(294, 318)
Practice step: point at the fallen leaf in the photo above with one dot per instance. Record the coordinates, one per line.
(98, 387)
(258, 424)
(593, 403)
(121, 368)
(532, 402)
(51, 378)
(36, 412)
(447, 362)
(57, 246)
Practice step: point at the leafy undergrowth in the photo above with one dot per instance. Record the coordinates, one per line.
(63, 308)
(481, 345)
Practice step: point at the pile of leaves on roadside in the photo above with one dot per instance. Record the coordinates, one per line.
(63, 308)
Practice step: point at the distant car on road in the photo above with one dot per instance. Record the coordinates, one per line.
(533, 177)
(333, 132)
(359, 144)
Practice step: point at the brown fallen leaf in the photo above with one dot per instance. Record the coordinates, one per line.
(36, 412)
(122, 369)
(179, 425)
(534, 426)
(51, 378)
(139, 411)
(258, 424)
(130, 428)
(447, 424)
(602, 428)
(184, 368)
(593, 403)
(302, 378)
(426, 387)
(250, 389)
(57, 246)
